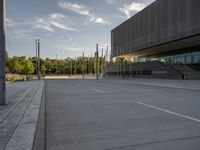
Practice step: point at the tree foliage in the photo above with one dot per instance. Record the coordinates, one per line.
(27, 66)
(43, 70)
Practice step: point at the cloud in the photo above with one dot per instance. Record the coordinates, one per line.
(19, 34)
(18, 29)
(59, 21)
(57, 16)
(73, 49)
(42, 24)
(130, 9)
(69, 37)
(110, 1)
(84, 11)
(100, 20)
(28, 28)
(10, 23)
(77, 8)
(62, 26)
(55, 20)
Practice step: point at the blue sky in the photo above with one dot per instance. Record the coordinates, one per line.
(65, 27)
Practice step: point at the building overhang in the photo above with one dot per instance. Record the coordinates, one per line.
(180, 44)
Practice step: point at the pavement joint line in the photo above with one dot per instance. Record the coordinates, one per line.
(14, 94)
(156, 85)
(99, 91)
(154, 142)
(35, 92)
(45, 114)
(20, 100)
(170, 112)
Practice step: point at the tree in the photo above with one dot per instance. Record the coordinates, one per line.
(7, 63)
(28, 68)
(43, 70)
(16, 67)
(23, 65)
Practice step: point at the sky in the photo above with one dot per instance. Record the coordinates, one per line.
(65, 28)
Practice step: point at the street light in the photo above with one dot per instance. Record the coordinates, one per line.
(2, 53)
(71, 67)
(97, 61)
(102, 63)
(83, 68)
(56, 63)
(39, 74)
(38, 58)
(75, 67)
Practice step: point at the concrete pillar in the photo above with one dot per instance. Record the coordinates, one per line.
(2, 53)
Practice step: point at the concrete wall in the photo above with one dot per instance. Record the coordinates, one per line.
(162, 22)
(144, 70)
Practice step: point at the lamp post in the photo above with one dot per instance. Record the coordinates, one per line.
(83, 68)
(56, 63)
(71, 65)
(2, 53)
(75, 67)
(91, 65)
(36, 57)
(39, 75)
(102, 63)
(97, 63)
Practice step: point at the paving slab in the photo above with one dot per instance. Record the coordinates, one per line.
(180, 84)
(108, 115)
(18, 119)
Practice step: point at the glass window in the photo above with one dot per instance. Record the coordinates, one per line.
(180, 59)
(189, 58)
(196, 57)
(173, 59)
(166, 59)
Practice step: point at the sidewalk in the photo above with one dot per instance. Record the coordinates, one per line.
(167, 83)
(19, 118)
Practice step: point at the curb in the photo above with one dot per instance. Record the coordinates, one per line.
(40, 134)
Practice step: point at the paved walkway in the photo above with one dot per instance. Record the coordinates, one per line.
(134, 114)
(18, 119)
(179, 84)
(116, 115)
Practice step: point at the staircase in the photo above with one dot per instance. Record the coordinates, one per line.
(195, 66)
(187, 71)
(144, 70)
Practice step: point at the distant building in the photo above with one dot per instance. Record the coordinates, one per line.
(166, 32)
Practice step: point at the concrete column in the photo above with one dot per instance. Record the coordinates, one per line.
(2, 53)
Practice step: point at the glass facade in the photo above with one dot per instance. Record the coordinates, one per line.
(189, 56)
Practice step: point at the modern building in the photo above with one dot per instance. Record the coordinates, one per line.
(166, 33)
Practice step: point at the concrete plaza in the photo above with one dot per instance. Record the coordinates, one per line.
(122, 114)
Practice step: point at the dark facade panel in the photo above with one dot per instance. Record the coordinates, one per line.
(162, 22)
